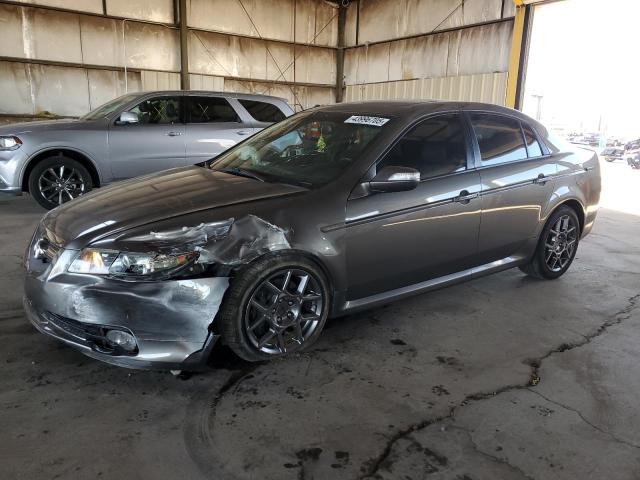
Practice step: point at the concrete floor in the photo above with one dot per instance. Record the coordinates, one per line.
(503, 377)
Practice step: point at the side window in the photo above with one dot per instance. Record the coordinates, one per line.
(499, 138)
(158, 111)
(533, 147)
(434, 147)
(263, 111)
(210, 110)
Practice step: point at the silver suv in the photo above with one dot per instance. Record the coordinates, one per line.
(138, 133)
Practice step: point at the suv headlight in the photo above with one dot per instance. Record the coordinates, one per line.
(112, 262)
(10, 143)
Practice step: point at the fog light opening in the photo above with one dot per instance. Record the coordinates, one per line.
(122, 339)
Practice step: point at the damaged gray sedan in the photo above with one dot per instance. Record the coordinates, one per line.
(333, 210)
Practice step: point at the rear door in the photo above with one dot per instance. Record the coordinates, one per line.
(402, 238)
(517, 183)
(155, 143)
(213, 126)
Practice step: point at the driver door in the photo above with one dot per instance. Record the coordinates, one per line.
(402, 238)
(156, 142)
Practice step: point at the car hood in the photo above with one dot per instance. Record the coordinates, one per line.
(39, 126)
(150, 199)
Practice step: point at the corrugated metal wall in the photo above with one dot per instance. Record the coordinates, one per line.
(68, 56)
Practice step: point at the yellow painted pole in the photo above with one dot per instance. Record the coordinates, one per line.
(514, 56)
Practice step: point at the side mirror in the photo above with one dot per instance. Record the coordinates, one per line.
(395, 179)
(127, 118)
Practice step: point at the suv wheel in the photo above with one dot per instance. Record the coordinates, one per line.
(274, 307)
(557, 245)
(58, 179)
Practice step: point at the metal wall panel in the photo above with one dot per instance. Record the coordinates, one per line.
(483, 49)
(305, 21)
(32, 89)
(385, 20)
(152, 80)
(206, 82)
(155, 10)
(489, 88)
(228, 56)
(91, 6)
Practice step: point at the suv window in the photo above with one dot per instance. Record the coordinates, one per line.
(158, 111)
(434, 147)
(210, 110)
(499, 138)
(263, 111)
(533, 147)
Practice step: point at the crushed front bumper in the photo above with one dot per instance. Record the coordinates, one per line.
(169, 319)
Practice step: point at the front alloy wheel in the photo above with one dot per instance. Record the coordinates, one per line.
(274, 306)
(57, 180)
(284, 311)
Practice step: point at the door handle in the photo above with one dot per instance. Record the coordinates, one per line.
(243, 132)
(541, 179)
(173, 134)
(465, 197)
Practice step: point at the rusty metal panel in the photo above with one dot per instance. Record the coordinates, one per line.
(152, 47)
(488, 88)
(227, 56)
(484, 49)
(152, 80)
(155, 11)
(12, 32)
(60, 90)
(316, 22)
(206, 82)
(384, 19)
(92, 6)
(367, 64)
(105, 85)
(101, 41)
(273, 18)
(15, 87)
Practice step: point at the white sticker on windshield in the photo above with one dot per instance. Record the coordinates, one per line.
(364, 120)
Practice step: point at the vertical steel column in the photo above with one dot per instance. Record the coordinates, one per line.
(184, 45)
(342, 19)
(519, 53)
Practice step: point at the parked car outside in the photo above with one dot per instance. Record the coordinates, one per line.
(632, 153)
(135, 134)
(611, 154)
(331, 211)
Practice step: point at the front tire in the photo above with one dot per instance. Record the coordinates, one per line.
(275, 306)
(57, 180)
(557, 246)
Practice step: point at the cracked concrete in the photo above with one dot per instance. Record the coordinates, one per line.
(503, 377)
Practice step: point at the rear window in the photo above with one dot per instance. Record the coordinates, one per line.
(210, 110)
(263, 111)
(499, 138)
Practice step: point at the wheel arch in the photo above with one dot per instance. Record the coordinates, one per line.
(76, 155)
(577, 207)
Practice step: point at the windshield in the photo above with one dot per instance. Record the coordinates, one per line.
(307, 149)
(109, 107)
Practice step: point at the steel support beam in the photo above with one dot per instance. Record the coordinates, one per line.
(519, 54)
(342, 19)
(184, 45)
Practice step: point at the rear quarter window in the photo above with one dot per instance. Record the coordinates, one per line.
(499, 138)
(263, 111)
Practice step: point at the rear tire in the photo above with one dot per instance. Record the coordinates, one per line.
(275, 306)
(57, 180)
(557, 246)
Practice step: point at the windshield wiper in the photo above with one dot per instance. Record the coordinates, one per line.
(241, 172)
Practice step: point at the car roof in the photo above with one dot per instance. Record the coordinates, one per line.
(244, 96)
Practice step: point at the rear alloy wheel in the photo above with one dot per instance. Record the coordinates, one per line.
(557, 245)
(57, 180)
(274, 307)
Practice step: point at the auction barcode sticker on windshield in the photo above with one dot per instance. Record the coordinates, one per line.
(364, 120)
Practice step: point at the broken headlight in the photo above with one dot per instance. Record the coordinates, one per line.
(112, 262)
